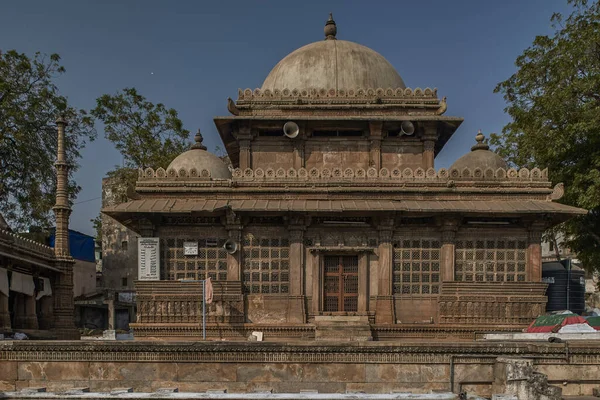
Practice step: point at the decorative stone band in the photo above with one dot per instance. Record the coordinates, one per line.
(485, 303)
(170, 173)
(333, 174)
(177, 302)
(296, 352)
(399, 95)
(25, 244)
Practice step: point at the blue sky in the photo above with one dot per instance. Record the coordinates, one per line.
(192, 55)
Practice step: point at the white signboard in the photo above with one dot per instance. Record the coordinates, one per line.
(190, 248)
(148, 259)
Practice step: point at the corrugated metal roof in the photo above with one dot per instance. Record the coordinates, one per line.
(463, 206)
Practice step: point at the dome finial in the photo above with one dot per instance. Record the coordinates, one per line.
(330, 28)
(480, 145)
(198, 139)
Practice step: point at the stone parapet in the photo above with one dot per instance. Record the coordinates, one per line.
(356, 174)
(328, 367)
(180, 302)
(491, 303)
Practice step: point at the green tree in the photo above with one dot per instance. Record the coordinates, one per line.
(146, 134)
(554, 102)
(30, 102)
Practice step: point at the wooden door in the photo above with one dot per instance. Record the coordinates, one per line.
(341, 284)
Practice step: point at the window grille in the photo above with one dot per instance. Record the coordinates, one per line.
(490, 260)
(416, 267)
(211, 260)
(266, 265)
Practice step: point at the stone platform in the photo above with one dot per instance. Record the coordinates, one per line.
(342, 328)
(126, 393)
(326, 367)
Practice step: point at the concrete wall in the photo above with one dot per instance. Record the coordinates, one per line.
(84, 278)
(289, 367)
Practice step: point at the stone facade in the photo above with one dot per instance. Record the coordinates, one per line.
(340, 224)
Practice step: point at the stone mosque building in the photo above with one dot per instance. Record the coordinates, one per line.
(333, 222)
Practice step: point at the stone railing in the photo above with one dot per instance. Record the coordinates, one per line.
(161, 173)
(25, 244)
(491, 303)
(396, 94)
(357, 174)
(180, 302)
(443, 174)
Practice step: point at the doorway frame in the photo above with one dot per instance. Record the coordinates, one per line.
(318, 283)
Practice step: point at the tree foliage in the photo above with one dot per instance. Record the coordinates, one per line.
(30, 102)
(554, 102)
(146, 134)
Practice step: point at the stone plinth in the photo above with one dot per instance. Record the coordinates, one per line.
(342, 328)
(289, 367)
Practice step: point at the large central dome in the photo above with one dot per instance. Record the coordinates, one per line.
(333, 64)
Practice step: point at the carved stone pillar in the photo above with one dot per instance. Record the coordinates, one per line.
(317, 277)
(244, 138)
(299, 161)
(19, 312)
(534, 252)
(4, 313)
(146, 228)
(449, 229)
(245, 161)
(234, 231)
(363, 282)
(384, 313)
(296, 310)
(110, 302)
(428, 154)
(30, 320)
(376, 134)
(430, 136)
(46, 319)
(64, 308)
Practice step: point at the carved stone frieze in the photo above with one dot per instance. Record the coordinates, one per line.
(302, 174)
(265, 352)
(397, 95)
(490, 303)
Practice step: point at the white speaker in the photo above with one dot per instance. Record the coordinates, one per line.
(291, 129)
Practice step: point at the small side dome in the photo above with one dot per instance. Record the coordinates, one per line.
(480, 157)
(197, 157)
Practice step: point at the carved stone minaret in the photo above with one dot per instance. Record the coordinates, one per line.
(62, 210)
(64, 309)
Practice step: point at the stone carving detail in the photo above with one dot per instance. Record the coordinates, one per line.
(164, 351)
(352, 94)
(175, 305)
(457, 304)
(558, 191)
(535, 175)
